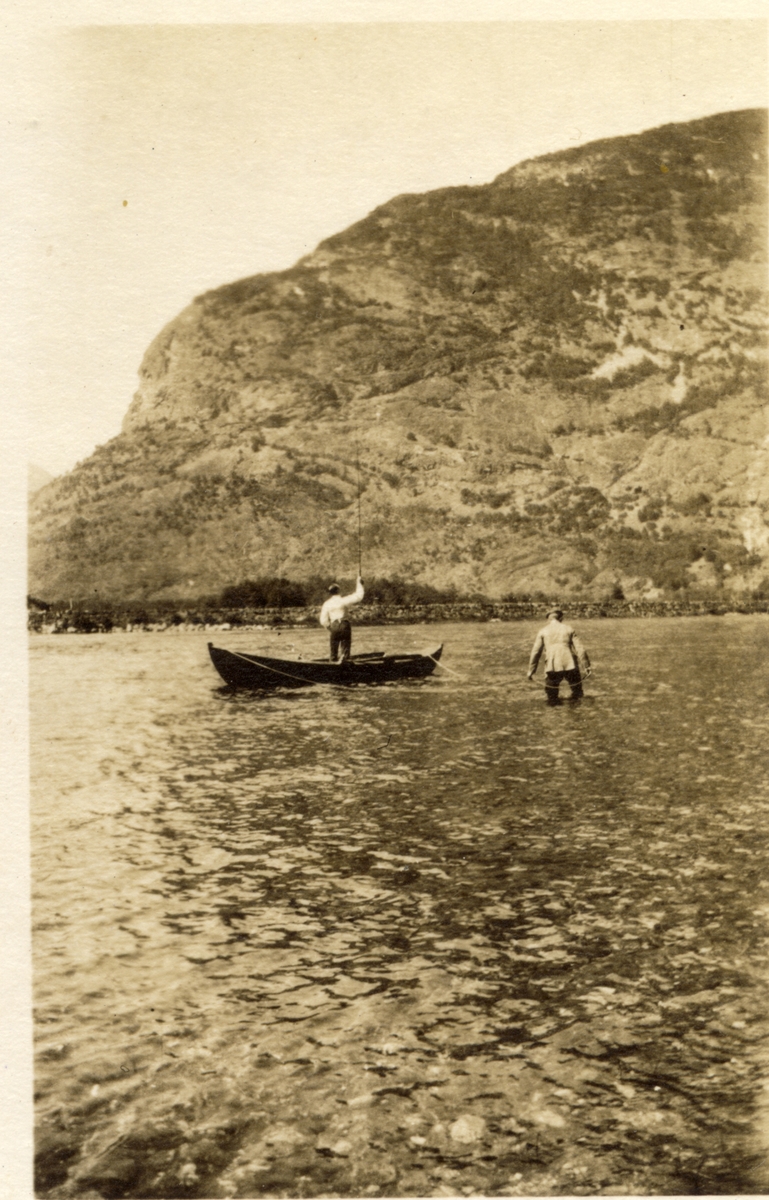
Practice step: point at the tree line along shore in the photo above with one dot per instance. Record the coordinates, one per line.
(63, 619)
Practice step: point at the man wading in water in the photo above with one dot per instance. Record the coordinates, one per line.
(333, 617)
(564, 656)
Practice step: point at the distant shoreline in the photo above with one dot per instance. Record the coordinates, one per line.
(220, 619)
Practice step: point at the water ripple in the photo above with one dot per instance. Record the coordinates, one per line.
(422, 939)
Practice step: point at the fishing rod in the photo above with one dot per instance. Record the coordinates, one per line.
(357, 464)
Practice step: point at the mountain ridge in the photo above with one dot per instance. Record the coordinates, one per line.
(552, 382)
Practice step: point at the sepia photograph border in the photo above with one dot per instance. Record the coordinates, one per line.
(22, 27)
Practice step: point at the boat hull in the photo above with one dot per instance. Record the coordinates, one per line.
(257, 671)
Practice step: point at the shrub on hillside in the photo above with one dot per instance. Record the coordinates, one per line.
(579, 510)
(557, 367)
(693, 505)
(665, 559)
(266, 592)
(400, 592)
(651, 511)
(651, 420)
(634, 374)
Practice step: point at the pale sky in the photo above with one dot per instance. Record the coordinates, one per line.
(164, 160)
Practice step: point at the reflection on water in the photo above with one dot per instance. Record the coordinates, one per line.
(432, 938)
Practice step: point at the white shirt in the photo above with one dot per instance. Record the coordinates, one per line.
(335, 608)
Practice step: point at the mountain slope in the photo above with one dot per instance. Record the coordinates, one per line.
(554, 381)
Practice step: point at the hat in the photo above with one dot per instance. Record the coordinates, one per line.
(555, 612)
(334, 589)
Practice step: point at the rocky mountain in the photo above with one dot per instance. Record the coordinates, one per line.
(555, 381)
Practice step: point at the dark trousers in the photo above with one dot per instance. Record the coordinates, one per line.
(340, 641)
(553, 680)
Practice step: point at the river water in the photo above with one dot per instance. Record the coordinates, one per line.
(428, 939)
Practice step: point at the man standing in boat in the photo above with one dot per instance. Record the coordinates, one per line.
(333, 617)
(565, 657)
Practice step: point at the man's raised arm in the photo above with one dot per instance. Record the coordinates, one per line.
(356, 596)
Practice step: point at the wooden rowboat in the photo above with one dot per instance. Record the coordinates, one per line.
(256, 671)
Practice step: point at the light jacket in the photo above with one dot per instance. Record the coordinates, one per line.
(563, 649)
(335, 608)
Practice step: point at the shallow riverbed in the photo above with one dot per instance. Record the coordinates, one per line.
(433, 938)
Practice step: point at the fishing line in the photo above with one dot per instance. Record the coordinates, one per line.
(254, 662)
(443, 667)
(438, 662)
(544, 688)
(357, 464)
